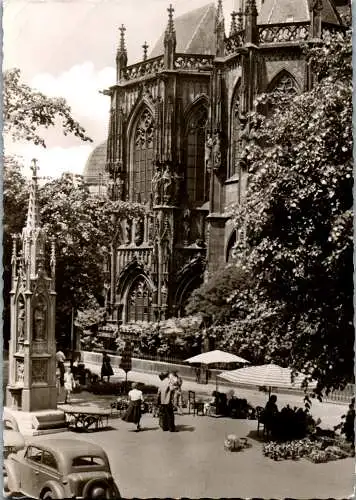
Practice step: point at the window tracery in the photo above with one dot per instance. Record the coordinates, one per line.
(143, 156)
(196, 177)
(139, 302)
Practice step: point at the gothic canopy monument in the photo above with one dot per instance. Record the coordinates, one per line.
(177, 128)
(31, 391)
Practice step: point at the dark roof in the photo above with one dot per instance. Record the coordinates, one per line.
(95, 164)
(194, 32)
(283, 11)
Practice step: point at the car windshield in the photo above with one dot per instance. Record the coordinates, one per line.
(88, 461)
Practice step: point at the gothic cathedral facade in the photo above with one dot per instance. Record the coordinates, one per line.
(178, 125)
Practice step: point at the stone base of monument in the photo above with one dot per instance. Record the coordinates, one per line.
(39, 422)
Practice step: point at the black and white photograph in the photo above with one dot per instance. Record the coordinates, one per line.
(178, 317)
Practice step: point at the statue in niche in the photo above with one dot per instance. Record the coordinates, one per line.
(139, 228)
(20, 371)
(156, 185)
(128, 229)
(177, 183)
(167, 184)
(186, 226)
(208, 151)
(21, 322)
(39, 321)
(217, 150)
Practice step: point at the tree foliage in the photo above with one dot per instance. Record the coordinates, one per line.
(82, 227)
(295, 224)
(27, 111)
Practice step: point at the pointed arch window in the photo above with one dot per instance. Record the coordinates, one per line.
(139, 301)
(143, 157)
(196, 176)
(284, 86)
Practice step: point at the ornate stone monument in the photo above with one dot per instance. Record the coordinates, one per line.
(31, 393)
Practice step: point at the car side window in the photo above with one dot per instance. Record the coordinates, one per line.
(49, 460)
(34, 454)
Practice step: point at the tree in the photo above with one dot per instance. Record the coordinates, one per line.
(211, 299)
(298, 215)
(82, 227)
(25, 111)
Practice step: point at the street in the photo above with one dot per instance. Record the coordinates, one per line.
(193, 463)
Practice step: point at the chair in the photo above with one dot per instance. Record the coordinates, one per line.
(260, 422)
(191, 402)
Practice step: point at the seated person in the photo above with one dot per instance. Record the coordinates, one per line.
(270, 414)
(210, 403)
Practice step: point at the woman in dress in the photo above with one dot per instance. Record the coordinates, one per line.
(106, 368)
(133, 413)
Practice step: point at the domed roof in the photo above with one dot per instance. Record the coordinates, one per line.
(94, 170)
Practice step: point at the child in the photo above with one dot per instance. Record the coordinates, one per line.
(69, 384)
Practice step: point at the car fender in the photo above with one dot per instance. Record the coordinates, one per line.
(13, 483)
(56, 489)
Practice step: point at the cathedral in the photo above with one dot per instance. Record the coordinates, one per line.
(178, 125)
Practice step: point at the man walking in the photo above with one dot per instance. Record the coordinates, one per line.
(165, 402)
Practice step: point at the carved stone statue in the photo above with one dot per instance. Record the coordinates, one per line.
(217, 151)
(156, 185)
(139, 228)
(167, 184)
(39, 321)
(208, 152)
(21, 322)
(186, 226)
(128, 230)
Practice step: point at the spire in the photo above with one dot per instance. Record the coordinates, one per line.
(33, 212)
(220, 30)
(122, 30)
(233, 27)
(145, 48)
(121, 55)
(170, 41)
(251, 31)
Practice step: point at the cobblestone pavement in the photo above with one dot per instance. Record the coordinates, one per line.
(193, 463)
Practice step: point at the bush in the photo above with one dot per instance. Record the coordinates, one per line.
(119, 388)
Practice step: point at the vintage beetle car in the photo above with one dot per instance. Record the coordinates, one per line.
(60, 468)
(12, 438)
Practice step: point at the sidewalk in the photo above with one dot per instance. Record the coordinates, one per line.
(329, 413)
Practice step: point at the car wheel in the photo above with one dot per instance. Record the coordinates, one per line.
(48, 496)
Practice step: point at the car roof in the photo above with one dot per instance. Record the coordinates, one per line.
(69, 448)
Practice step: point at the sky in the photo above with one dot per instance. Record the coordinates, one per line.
(66, 48)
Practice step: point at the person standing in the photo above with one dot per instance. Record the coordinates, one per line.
(165, 401)
(69, 384)
(106, 368)
(177, 383)
(133, 413)
(60, 358)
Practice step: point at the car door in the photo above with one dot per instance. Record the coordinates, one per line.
(41, 466)
(30, 476)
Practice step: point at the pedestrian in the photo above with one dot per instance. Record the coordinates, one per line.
(133, 413)
(106, 368)
(69, 384)
(165, 401)
(197, 374)
(270, 415)
(60, 358)
(177, 383)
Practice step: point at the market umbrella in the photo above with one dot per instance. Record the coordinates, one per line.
(211, 357)
(217, 356)
(270, 375)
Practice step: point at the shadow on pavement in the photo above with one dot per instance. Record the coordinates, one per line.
(257, 437)
(185, 428)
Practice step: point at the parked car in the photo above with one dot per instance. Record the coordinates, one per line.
(12, 437)
(60, 468)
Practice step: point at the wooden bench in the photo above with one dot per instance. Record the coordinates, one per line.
(83, 418)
